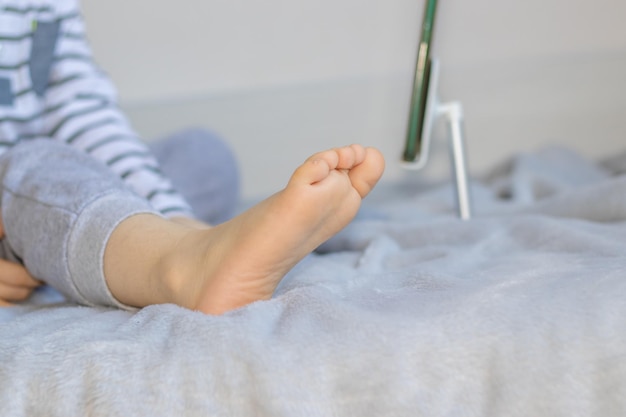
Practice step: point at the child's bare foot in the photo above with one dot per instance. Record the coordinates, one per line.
(243, 260)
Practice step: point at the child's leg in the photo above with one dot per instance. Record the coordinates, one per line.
(76, 226)
(203, 169)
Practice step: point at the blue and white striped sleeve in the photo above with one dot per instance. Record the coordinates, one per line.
(82, 111)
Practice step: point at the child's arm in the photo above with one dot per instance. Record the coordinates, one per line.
(86, 116)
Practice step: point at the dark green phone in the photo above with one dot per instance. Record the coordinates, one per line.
(414, 138)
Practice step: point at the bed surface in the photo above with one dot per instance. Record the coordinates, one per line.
(408, 312)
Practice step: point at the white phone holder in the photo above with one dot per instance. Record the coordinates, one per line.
(453, 113)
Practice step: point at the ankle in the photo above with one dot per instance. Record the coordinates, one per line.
(136, 259)
(172, 271)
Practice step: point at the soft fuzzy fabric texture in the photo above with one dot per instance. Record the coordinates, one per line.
(408, 312)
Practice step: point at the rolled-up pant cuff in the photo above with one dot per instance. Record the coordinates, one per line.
(87, 242)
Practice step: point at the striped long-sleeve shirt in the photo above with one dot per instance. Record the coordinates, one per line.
(50, 87)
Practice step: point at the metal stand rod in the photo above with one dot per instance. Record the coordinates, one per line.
(453, 113)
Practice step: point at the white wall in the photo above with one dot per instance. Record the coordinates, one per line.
(303, 75)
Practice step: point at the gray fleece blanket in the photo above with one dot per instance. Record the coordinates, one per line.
(408, 312)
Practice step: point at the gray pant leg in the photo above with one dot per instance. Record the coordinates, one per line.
(59, 207)
(203, 169)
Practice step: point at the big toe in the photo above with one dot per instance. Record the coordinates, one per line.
(365, 175)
